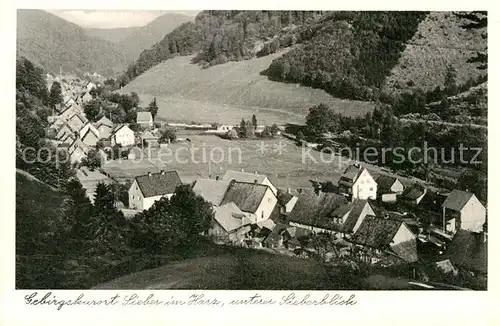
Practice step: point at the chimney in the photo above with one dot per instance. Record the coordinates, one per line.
(242, 170)
(217, 178)
(288, 191)
(162, 172)
(255, 173)
(149, 174)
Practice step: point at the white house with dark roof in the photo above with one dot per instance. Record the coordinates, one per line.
(250, 178)
(104, 127)
(393, 237)
(122, 135)
(462, 210)
(357, 183)
(388, 188)
(148, 188)
(256, 200)
(145, 119)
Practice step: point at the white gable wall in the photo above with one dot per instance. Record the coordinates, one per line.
(365, 187)
(404, 234)
(367, 210)
(266, 206)
(473, 215)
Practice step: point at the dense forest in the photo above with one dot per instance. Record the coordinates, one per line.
(219, 36)
(348, 54)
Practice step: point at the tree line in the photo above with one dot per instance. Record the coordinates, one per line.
(381, 129)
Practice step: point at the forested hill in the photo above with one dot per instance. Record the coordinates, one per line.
(135, 39)
(348, 54)
(52, 42)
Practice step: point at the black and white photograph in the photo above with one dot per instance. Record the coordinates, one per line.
(257, 150)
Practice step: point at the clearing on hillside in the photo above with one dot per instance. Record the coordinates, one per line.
(229, 92)
(439, 41)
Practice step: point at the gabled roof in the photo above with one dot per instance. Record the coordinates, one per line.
(316, 209)
(413, 191)
(352, 173)
(144, 116)
(230, 217)
(457, 199)
(406, 250)
(247, 196)
(354, 209)
(119, 127)
(104, 121)
(148, 135)
(385, 182)
(284, 197)
(468, 250)
(244, 176)
(211, 190)
(376, 232)
(90, 130)
(433, 201)
(158, 184)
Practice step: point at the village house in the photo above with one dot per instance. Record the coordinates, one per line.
(383, 235)
(148, 188)
(77, 151)
(357, 183)
(149, 139)
(230, 225)
(313, 211)
(104, 127)
(65, 130)
(145, 119)
(69, 111)
(90, 137)
(89, 86)
(122, 135)
(89, 126)
(413, 194)
(250, 178)
(211, 190)
(462, 210)
(348, 217)
(256, 200)
(86, 97)
(286, 201)
(388, 188)
(77, 121)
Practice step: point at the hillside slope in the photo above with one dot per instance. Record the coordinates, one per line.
(238, 270)
(135, 39)
(227, 93)
(440, 41)
(53, 42)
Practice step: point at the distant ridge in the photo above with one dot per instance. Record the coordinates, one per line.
(135, 39)
(53, 43)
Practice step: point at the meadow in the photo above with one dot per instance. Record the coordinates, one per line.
(227, 93)
(191, 161)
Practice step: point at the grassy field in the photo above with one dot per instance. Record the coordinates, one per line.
(438, 42)
(236, 269)
(284, 170)
(229, 92)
